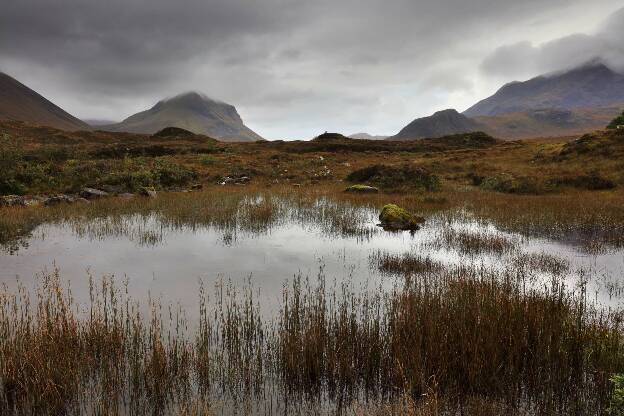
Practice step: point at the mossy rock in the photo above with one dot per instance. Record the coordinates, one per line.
(393, 217)
(362, 189)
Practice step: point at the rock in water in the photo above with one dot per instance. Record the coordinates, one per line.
(362, 189)
(393, 217)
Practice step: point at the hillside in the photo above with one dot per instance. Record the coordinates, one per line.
(589, 86)
(547, 122)
(442, 123)
(20, 103)
(191, 111)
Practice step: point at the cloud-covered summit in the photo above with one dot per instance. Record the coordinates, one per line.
(524, 58)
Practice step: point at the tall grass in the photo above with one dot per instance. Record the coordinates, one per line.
(438, 342)
(443, 340)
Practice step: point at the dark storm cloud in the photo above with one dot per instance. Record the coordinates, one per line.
(524, 58)
(123, 44)
(292, 67)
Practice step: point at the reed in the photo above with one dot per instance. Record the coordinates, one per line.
(445, 339)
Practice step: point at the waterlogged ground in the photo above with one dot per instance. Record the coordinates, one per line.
(167, 261)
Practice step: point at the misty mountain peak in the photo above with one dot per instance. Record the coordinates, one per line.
(192, 111)
(591, 85)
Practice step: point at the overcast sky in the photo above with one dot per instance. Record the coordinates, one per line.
(296, 68)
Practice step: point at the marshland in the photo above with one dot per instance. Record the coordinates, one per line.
(280, 293)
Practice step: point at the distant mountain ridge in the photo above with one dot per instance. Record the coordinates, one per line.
(441, 123)
(20, 103)
(366, 136)
(519, 125)
(589, 86)
(190, 111)
(577, 101)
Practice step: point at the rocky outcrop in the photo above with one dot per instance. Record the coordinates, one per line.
(92, 193)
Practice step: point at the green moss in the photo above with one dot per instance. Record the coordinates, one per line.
(394, 217)
(362, 189)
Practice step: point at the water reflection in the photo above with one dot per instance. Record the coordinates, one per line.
(167, 260)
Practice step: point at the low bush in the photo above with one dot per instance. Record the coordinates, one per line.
(617, 122)
(510, 184)
(11, 158)
(136, 174)
(393, 177)
(592, 182)
(207, 160)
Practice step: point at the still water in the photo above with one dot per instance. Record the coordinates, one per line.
(168, 263)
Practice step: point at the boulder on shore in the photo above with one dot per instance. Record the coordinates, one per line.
(148, 192)
(12, 201)
(92, 193)
(58, 199)
(393, 217)
(362, 189)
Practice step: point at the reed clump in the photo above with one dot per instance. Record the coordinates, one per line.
(465, 333)
(403, 264)
(475, 243)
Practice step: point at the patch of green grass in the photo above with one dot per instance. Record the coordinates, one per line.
(207, 160)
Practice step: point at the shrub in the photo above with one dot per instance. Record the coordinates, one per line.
(592, 182)
(11, 158)
(207, 160)
(136, 174)
(391, 177)
(510, 184)
(616, 122)
(172, 174)
(10, 186)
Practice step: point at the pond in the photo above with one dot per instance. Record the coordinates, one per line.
(167, 260)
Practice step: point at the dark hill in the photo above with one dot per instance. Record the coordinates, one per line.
(173, 132)
(20, 103)
(442, 123)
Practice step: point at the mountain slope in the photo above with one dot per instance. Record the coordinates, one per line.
(20, 103)
(442, 123)
(547, 122)
(589, 86)
(193, 112)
